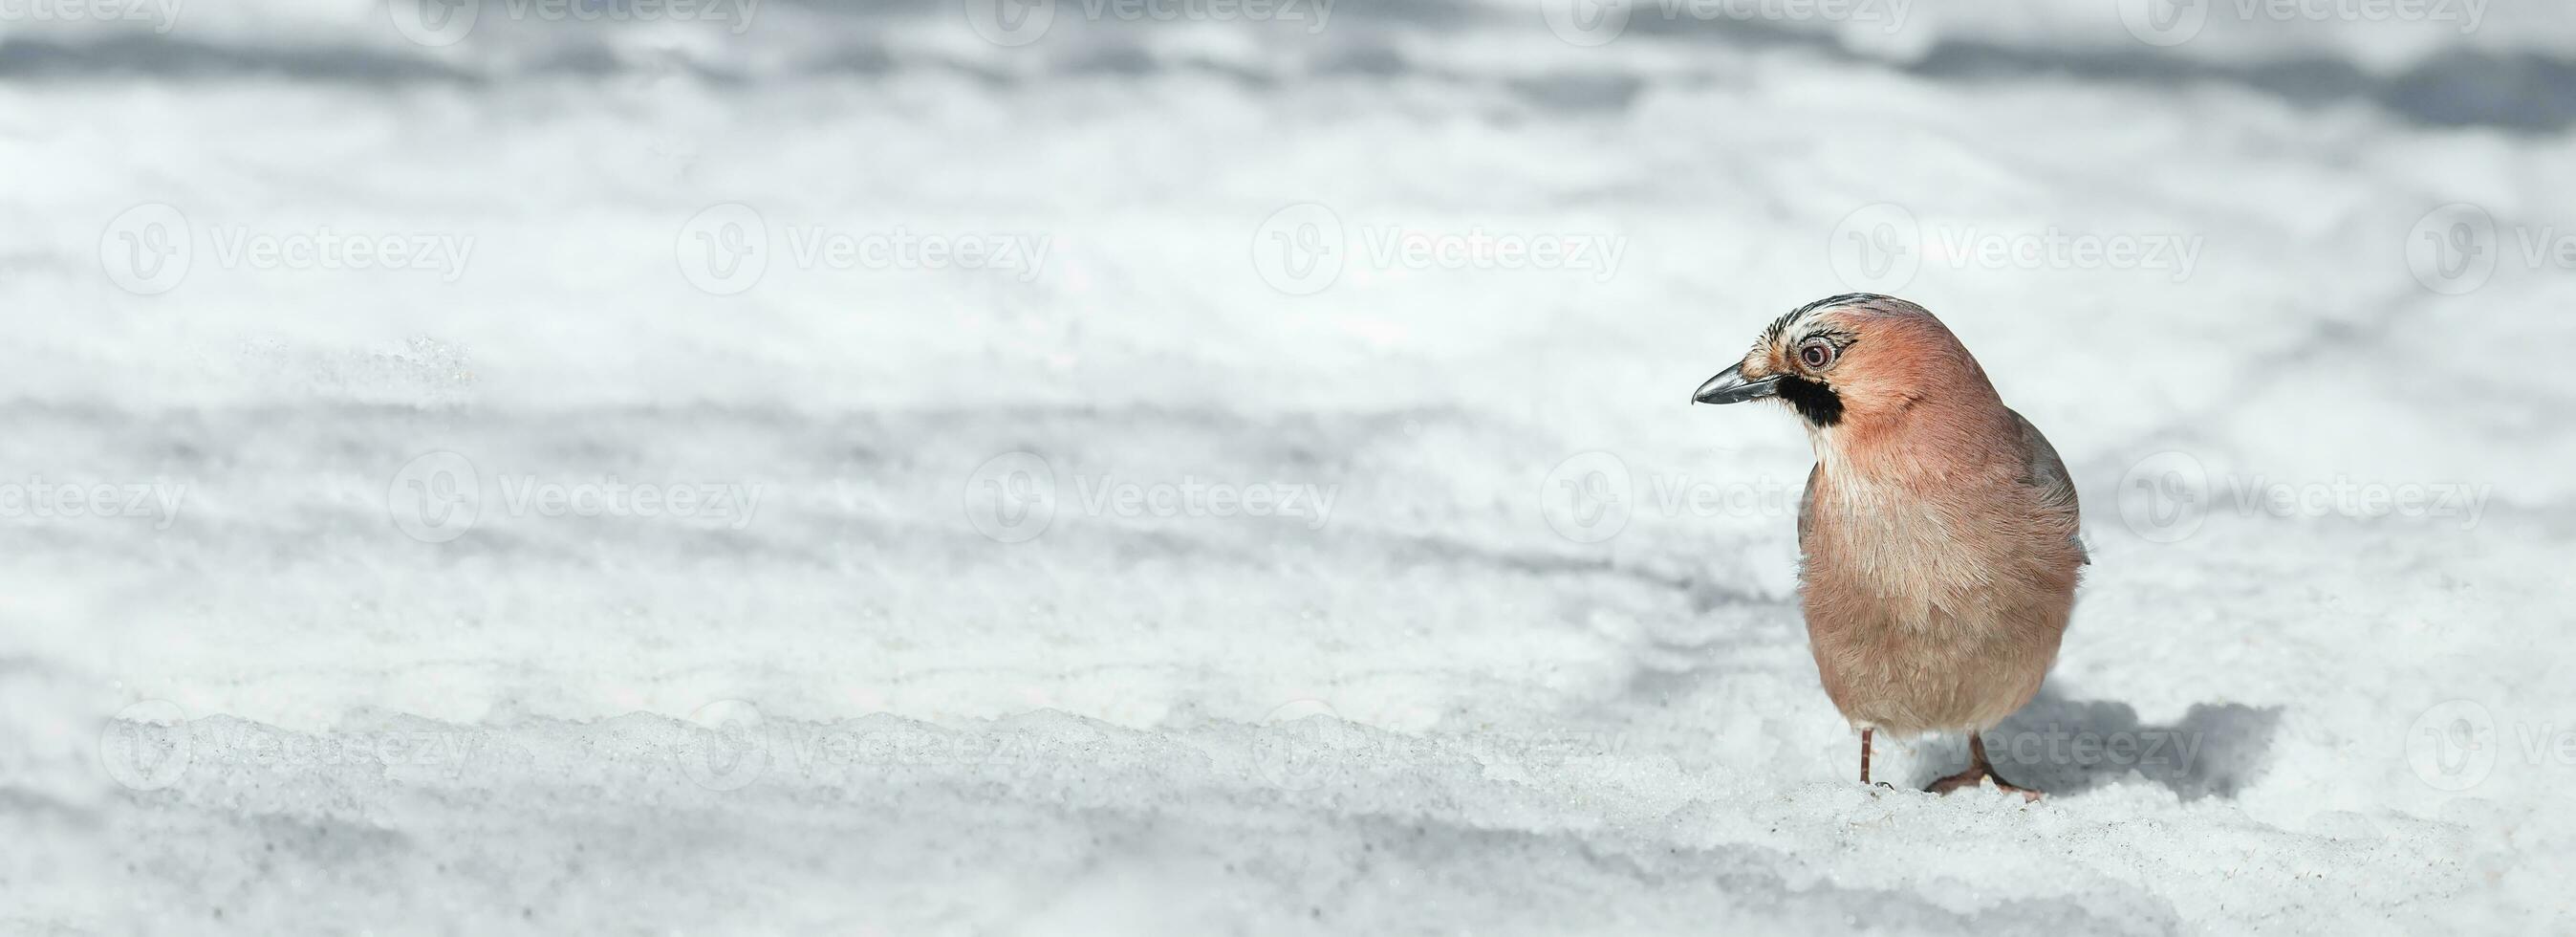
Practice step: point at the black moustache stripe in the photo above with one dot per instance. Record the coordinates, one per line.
(1815, 401)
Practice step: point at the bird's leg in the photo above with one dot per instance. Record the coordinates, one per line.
(1864, 756)
(1979, 769)
(1864, 760)
(1977, 749)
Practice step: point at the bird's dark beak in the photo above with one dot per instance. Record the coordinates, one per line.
(1729, 386)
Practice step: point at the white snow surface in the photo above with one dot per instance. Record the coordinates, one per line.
(253, 701)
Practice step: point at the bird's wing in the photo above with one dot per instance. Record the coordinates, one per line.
(2042, 469)
(1807, 503)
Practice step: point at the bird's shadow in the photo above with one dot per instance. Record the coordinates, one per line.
(2068, 746)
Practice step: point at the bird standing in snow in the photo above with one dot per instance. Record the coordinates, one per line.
(1938, 528)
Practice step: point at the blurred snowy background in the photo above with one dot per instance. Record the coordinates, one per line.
(1145, 466)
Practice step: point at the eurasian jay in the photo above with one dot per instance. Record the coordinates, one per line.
(1938, 530)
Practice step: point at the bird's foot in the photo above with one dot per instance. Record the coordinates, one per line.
(1980, 776)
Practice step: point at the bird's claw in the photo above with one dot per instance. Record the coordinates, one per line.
(1981, 777)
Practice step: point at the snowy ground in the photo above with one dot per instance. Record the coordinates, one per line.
(677, 540)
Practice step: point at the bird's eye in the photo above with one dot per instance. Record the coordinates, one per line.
(1816, 354)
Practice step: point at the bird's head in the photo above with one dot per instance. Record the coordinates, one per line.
(1854, 358)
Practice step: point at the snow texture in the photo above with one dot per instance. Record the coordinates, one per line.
(1218, 531)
